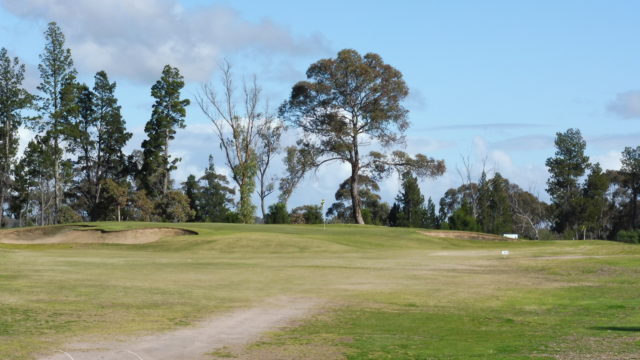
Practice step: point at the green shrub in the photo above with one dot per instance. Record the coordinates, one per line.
(67, 215)
(306, 214)
(631, 236)
(277, 214)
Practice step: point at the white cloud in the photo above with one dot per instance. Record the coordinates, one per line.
(526, 143)
(500, 160)
(136, 38)
(25, 135)
(609, 160)
(626, 105)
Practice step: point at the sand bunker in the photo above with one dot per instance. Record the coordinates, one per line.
(465, 235)
(74, 234)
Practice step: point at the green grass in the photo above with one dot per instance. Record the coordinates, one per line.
(396, 294)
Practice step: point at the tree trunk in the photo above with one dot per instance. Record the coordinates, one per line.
(262, 193)
(355, 196)
(118, 213)
(165, 183)
(634, 207)
(56, 182)
(41, 208)
(4, 180)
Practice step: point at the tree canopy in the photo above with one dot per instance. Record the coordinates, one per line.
(347, 104)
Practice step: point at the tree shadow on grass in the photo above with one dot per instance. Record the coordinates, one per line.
(617, 328)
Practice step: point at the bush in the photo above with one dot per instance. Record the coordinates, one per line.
(631, 236)
(463, 219)
(367, 216)
(67, 215)
(174, 207)
(232, 217)
(306, 214)
(277, 214)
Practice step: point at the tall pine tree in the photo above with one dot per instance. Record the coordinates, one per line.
(13, 100)
(594, 203)
(631, 173)
(169, 111)
(431, 219)
(411, 202)
(216, 196)
(98, 137)
(500, 215)
(566, 168)
(56, 72)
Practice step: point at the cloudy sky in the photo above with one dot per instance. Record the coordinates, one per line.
(491, 81)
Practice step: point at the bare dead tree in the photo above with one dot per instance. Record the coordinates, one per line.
(268, 146)
(238, 130)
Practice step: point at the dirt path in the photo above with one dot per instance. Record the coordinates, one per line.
(240, 327)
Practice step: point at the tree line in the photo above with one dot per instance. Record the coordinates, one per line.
(586, 202)
(348, 109)
(74, 169)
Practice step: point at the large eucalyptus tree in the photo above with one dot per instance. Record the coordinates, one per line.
(351, 104)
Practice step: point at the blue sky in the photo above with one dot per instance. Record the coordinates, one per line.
(491, 81)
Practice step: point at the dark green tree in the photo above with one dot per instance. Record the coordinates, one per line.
(483, 202)
(307, 214)
(168, 113)
(192, 189)
(277, 214)
(463, 219)
(411, 201)
(393, 219)
(376, 210)
(431, 219)
(348, 101)
(14, 99)
(566, 168)
(594, 203)
(631, 173)
(20, 200)
(142, 207)
(216, 197)
(115, 196)
(174, 207)
(97, 138)
(56, 73)
(500, 219)
(37, 166)
(453, 199)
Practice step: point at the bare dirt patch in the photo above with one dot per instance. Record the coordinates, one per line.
(464, 235)
(602, 348)
(232, 330)
(72, 234)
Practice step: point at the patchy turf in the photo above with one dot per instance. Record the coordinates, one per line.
(395, 293)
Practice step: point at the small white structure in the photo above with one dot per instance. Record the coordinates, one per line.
(511, 236)
(505, 252)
